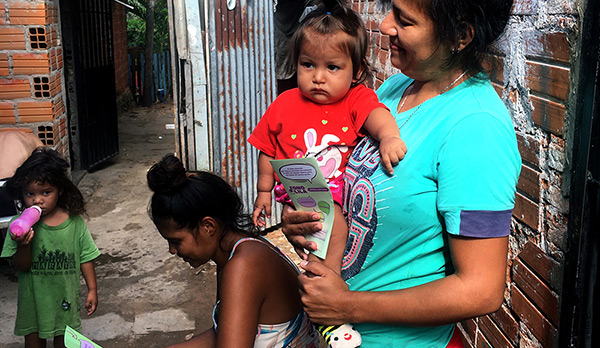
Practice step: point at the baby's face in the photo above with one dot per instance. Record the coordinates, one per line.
(325, 71)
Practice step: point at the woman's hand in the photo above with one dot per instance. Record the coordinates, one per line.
(324, 294)
(295, 224)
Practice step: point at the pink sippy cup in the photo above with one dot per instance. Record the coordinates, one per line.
(27, 219)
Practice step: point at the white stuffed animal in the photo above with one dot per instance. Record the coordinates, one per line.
(341, 336)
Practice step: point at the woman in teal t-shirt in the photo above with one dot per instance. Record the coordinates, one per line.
(428, 245)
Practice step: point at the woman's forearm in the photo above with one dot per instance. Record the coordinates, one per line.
(476, 288)
(444, 301)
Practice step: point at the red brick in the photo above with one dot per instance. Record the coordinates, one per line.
(4, 64)
(51, 14)
(7, 113)
(14, 89)
(552, 46)
(507, 323)
(36, 111)
(493, 333)
(2, 14)
(385, 42)
(470, 327)
(12, 38)
(529, 182)
(541, 328)
(548, 115)
(482, 342)
(526, 211)
(30, 64)
(372, 25)
(548, 79)
(58, 107)
(536, 290)
(464, 336)
(56, 59)
(54, 38)
(383, 56)
(529, 148)
(543, 266)
(27, 13)
(55, 84)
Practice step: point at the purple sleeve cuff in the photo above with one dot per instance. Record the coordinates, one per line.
(485, 223)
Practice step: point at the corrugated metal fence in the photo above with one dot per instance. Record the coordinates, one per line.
(242, 84)
(238, 83)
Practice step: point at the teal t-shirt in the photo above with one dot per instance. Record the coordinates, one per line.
(459, 176)
(49, 292)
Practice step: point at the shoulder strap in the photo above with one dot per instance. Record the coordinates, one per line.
(269, 244)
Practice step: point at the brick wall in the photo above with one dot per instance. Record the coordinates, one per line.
(535, 82)
(31, 71)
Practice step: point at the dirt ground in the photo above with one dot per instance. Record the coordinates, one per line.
(147, 297)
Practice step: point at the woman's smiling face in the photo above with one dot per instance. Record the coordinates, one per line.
(192, 245)
(414, 45)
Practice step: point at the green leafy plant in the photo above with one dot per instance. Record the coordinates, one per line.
(136, 25)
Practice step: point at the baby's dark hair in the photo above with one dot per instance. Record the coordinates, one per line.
(186, 197)
(45, 165)
(327, 18)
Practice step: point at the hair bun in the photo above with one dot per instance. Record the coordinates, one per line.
(166, 176)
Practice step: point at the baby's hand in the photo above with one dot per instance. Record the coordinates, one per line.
(23, 239)
(392, 149)
(262, 203)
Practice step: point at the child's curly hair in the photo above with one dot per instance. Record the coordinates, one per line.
(45, 165)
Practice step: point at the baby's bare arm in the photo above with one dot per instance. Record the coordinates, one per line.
(264, 185)
(382, 126)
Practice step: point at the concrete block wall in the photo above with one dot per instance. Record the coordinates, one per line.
(534, 79)
(31, 71)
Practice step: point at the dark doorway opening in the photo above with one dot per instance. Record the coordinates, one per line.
(90, 80)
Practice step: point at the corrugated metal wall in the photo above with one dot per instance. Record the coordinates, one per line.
(224, 80)
(242, 85)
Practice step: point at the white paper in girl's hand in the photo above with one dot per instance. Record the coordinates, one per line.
(308, 190)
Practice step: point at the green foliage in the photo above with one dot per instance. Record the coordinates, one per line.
(136, 26)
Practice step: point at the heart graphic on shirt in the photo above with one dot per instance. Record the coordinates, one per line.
(294, 136)
(324, 122)
(344, 129)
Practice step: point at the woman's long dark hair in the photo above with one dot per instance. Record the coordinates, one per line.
(45, 165)
(451, 18)
(186, 197)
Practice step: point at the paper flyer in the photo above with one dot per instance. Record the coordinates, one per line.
(308, 190)
(74, 339)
